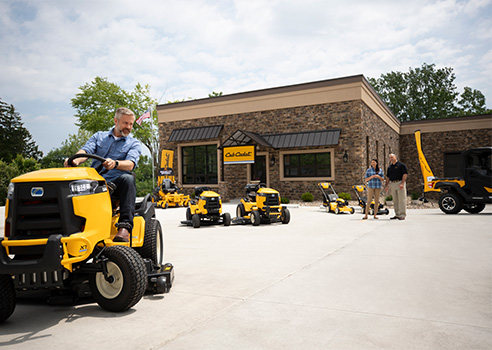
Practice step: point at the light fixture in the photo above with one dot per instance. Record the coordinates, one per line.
(345, 157)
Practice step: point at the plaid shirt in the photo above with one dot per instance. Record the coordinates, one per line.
(374, 182)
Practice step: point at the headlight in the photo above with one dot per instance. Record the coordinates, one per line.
(83, 187)
(10, 191)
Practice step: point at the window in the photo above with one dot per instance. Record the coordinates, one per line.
(452, 164)
(200, 164)
(307, 165)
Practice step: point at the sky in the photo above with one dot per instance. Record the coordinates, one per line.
(190, 48)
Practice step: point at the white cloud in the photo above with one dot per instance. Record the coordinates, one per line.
(191, 48)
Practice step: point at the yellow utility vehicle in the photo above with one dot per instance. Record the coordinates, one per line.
(261, 205)
(168, 193)
(331, 200)
(470, 191)
(206, 209)
(59, 225)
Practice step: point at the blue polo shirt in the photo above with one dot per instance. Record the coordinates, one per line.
(374, 183)
(106, 145)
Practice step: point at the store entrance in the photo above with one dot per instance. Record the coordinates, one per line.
(258, 169)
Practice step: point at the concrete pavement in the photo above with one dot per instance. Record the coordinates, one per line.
(324, 281)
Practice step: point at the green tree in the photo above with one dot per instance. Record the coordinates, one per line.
(15, 139)
(8, 171)
(426, 93)
(56, 157)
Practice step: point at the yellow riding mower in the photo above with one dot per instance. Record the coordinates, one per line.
(168, 194)
(261, 205)
(206, 209)
(331, 200)
(59, 225)
(360, 191)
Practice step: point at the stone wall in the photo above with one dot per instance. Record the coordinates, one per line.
(354, 118)
(434, 145)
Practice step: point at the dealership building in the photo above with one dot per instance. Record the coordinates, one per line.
(293, 137)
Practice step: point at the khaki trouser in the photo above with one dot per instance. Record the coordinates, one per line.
(373, 192)
(399, 199)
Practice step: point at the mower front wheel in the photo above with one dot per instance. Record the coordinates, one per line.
(195, 220)
(227, 219)
(125, 283)
(7, 301)
(285, 216)
(255, 218)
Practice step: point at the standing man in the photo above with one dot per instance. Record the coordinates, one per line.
(396, 178)
(121, 152)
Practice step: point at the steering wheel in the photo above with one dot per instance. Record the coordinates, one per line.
(100, 169)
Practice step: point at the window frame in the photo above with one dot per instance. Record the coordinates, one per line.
(180, 164)
(331, 151)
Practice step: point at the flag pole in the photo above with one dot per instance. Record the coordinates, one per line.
(153, 145)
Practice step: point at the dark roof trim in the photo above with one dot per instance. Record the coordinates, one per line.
(198, 133)
(287, 140)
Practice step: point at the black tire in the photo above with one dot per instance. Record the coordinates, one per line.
(450, 203)
(255, 218)
(153, 245)
(128, 274)
(285, 216)
(352, 210)
(227, 219)
(188, 214)
(474, 208)
(195, 220)
(240, 211)
(7, 299)
(337, 210)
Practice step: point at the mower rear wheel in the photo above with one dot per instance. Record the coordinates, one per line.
(255, 218)
(188, 214)
(285, 216)
(126, 283)
(240, 211)
(337, 210)
(227, 219)
(153, 246)
(195, 220)
(7, 301)
(352, 210)
(474, 208)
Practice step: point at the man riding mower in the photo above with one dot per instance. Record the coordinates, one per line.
(59, 230)
(331, 200)
(206, 209)
(261, 205)
(360, 191)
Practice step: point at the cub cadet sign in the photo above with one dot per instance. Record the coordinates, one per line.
(239, 155)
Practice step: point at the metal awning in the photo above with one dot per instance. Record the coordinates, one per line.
(198, 133)
(304, 139)
(287, 140)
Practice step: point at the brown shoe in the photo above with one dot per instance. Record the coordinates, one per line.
(401, 218)
(122, 236)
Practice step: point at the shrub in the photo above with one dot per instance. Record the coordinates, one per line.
(415, 196)
(307, 197)
(389, 198)
(284, 200)
(345, 195)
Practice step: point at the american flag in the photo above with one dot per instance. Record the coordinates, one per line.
(144, 116)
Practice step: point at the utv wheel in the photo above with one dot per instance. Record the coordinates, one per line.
(285, 216)
(227, 219)
(7, 301)
(255, 218)
(240, 211)
(450, 203)
(153, 246)
(188, 214)
(127, 280)
(195, 220)
(474, 208)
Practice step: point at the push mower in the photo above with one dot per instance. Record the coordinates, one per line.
(361, 193)
(331, 200)
(59, 225)
(261, 205)
(206, 209)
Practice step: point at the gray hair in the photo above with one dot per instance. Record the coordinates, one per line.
(123, 111)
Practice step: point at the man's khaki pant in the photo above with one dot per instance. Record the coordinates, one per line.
(373, 192)
(399, 199)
